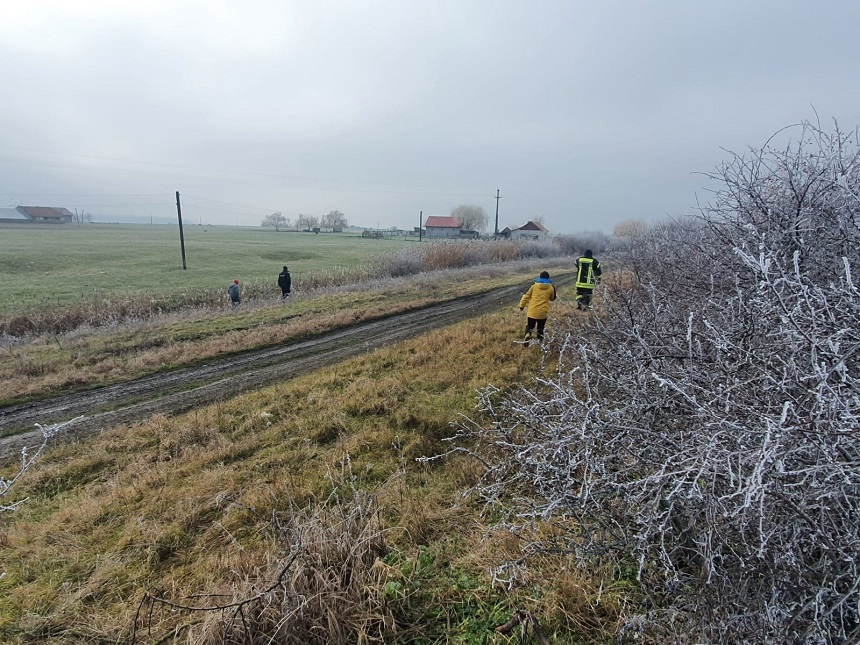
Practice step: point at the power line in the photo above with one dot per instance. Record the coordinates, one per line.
(210, 174)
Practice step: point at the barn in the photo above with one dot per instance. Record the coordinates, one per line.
(36, 215)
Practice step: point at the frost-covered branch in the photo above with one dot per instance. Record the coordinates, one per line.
(27, 461)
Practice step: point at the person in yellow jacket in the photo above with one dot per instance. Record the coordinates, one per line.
(537, 299)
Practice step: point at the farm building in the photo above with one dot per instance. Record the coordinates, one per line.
(36, 214)
(48, 214)
(438, 227)
(13, 216)
(529, 231)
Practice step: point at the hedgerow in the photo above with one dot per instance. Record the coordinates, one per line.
(701, 429)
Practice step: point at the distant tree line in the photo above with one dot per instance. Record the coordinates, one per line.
(333, 220)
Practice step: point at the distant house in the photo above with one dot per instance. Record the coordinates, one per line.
(438, 227)
(36, 215)
(442, 227)
(530, 231)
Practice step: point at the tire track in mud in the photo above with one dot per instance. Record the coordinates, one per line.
(184, 389)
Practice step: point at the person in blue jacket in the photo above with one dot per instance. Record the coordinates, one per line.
(285, 282)
(233, 291)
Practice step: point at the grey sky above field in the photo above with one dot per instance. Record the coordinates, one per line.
(584, 113)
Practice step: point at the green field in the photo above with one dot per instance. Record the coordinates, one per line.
(58, 265)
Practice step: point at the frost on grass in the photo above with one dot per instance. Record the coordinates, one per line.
(28, 459)
(704, 431)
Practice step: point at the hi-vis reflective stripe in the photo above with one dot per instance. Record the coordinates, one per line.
(585, 274)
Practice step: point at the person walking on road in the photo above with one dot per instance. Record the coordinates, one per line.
(233, 290)
(537, 299)
(285, 282)
(587, 276)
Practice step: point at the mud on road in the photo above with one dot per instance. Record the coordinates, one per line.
(184, 389)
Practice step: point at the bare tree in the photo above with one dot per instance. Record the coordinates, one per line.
(333, 220)
(337, 220)
(79, 218)
(630, 228)
(276, 220)
(471, 217)
(703, 429)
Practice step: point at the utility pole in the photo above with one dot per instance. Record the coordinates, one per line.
(420, 221)
(498, 197)
(181, 235)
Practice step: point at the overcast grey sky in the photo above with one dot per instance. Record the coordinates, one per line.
(585, 113)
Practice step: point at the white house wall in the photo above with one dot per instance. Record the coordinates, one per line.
(441, 233)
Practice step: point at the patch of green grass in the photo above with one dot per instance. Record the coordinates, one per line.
(89, 357)
(73, 476)
(56, 266)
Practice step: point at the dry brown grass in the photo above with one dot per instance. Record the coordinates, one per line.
(92, 356)
(221, 500)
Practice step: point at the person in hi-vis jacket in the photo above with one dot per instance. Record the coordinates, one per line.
(587, 275)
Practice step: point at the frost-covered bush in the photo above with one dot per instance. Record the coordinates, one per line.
(704, 427)
(597, 241)
(435, 255)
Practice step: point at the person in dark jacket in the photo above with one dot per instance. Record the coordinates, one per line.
(587, 276)
(233, 290)
(285, 282)
(537, 299)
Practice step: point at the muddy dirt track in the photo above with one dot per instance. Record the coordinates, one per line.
(220, 379)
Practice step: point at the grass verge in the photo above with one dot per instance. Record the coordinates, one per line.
(315, 478)
(92, 356)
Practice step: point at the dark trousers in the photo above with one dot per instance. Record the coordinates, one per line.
(530, 325)
(583, 297)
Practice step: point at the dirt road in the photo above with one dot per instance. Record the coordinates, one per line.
(185, 389)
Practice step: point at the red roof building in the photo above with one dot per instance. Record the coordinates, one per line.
(437, 226)
(530, 231)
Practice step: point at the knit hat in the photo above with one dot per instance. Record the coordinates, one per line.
(235, 282)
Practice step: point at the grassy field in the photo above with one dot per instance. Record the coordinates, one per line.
(92, 356)
(314, 483)
(58, 265)
(311, 484)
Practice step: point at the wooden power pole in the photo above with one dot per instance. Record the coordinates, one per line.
(181, 235)
(498, 197)
(420, 223)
